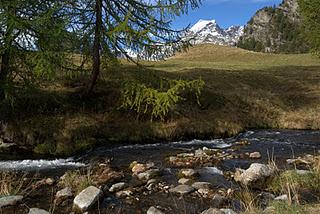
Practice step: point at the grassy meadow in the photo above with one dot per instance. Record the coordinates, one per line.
(243, 90)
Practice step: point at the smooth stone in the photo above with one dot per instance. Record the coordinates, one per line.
(4, 145)
(182, 189)
(210, 170)
(202, 185)
(153, 210)
(149, 174)
(10, 200)
(282, 198)
(124, 193)
(38, 211)
(212, 211)
(117, 187)
(185, 155)
(49, 181)
(152, 181)
(87, 198)
(255, 155)
(139, 168)
(66, 192)
(188, 172)
(302, 172)
(228, 211)
(184, 181)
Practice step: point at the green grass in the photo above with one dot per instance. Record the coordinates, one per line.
(226, 58)
(243, 90)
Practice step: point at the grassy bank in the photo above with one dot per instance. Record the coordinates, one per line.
(243, 90)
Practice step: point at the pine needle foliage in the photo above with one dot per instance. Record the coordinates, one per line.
(157, 103)
(310, 10)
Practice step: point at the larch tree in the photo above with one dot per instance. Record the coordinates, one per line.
(116, 28)
(29, 32)
(310, 10)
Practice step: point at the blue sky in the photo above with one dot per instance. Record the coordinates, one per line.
(226, 12)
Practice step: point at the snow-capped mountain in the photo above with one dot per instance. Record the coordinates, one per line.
(208, 31)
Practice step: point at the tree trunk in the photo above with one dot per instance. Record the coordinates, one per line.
(96, 46)
(4, 72)
(5, 57)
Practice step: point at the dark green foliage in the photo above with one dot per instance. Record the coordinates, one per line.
(310, 10)
(251, 44)
(29, 47)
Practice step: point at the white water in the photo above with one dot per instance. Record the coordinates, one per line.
(39, 164)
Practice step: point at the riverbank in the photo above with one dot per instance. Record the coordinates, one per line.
(226, 176)
(242, 90)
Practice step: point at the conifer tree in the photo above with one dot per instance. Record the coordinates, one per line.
(28, 33)
(113, 28)
(310, 10)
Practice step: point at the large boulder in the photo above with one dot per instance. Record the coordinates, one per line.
(10, 200)
(87, 198)
(257, 176)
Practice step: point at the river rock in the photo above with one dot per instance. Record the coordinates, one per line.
(149, 174)
(63, 195)
(124, 193)
(138, 168)
(152, 181)
(212, 211)
(282, 198)
(185, 155)
(87, 198)
(298, 161)
(153, 210)
(117, 187)
(188, 173)
(10, 200)
(184, 181)
(182, 189)
(202, 185)
(214, 176)
(257, 176)
(210, 170)
(255, 155)
(38, 211)
(228, 211)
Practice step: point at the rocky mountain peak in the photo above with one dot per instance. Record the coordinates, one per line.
(209, 31)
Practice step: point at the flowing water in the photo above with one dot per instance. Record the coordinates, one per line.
(278, 145)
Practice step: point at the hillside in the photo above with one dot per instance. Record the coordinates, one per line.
(230, 58)
(275, 29)
(243, 89)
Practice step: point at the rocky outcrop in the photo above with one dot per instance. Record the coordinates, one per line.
(275, 29)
